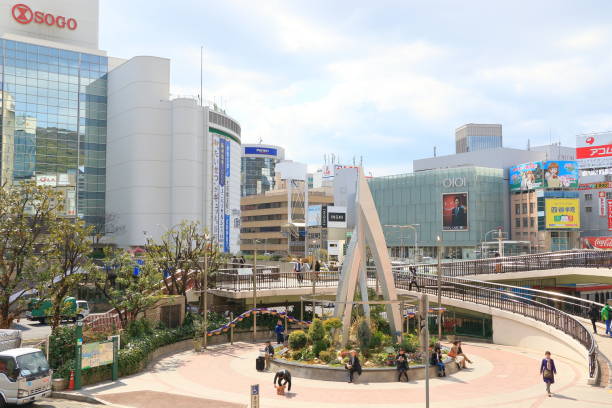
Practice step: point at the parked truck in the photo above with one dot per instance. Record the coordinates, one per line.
(40, 309)
(25, 375)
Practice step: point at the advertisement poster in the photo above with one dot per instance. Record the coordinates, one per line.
(597, 243)
(314, 216)
(526, 176)
(336, 217)
(560, 174)
(562, 213)
(455, 212)
(609, 215)
(602, 204)
(594, 151)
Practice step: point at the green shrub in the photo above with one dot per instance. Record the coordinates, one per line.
(410, 343)
(319, 346)
(316, 332)
(364, 336)
(377, 340)
(327, 356)
(331, 324)
(308, 355)
(297, 340)
(296, 355)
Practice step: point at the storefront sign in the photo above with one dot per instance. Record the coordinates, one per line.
(268, 151)
(595, 186)
(562, 213)
(602, 204)
(49, 180)
(594, 150)
(23, 14)
(336, 217)
(597, 242)
(609, 215)
(454, 182)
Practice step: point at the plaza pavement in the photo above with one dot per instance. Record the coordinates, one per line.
(501, 376)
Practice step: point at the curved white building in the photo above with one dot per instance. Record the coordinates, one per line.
(168, 160)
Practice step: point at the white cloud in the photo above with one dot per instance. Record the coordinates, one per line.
(587, 39)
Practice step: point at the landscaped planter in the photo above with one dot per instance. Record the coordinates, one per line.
(58, 384)
(373, 375)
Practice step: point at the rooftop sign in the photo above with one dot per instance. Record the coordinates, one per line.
(23, 14)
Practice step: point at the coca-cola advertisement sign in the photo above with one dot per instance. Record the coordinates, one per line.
(597, 242)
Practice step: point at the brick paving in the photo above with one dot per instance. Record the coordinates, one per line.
(501, 376)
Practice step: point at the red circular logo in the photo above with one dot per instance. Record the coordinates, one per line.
(22, 13)
(590, 140)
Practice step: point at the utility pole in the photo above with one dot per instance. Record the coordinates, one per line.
(439, 239)
(255, 291)
(500, 243)
(204, 296)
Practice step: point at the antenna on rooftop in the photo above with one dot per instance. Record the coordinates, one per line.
(434, 151)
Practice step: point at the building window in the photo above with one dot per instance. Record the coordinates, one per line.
(531, 208)
(588, 209)
(532, 222)
(588, 197)
(609, 195)
(517, 222)
(525, 222)
(524, 208)
(517, 209)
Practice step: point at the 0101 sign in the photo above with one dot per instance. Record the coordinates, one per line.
(23, 14)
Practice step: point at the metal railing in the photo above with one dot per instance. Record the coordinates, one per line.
(523, 263)
(272, 278)
(499, 297)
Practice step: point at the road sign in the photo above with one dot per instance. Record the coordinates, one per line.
(255, 396)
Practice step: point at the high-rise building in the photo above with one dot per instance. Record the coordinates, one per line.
(54, 102)
(476, 136)
(258, 164)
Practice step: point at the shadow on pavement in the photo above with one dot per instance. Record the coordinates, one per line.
(153, 399)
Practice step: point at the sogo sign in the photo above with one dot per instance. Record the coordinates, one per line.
(23, 14)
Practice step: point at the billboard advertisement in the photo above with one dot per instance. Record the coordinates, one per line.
(455, 212)
(526, 176)
(562, 213)
(265, 151)
(609, 215)
(594, 151)
(336, 217)
(597, 243)
(560, 174)
(313, 218)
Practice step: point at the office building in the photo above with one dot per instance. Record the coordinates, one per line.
(258, 165)
(264, 219)
(459, 205)
(54, 102)
(476, 136)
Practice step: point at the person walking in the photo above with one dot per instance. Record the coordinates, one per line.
(279, 330)
(606, 316)
(298, 270)
(269, 354)
(283, 377)
(353, 366)
(413, 278)
(317, 269)
(594, 316)
(548, 371)
(402, 365)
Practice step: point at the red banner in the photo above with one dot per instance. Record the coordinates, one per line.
(597, 242)
(593, 151)
(609, 215)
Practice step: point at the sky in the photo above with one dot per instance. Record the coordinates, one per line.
(385, 81)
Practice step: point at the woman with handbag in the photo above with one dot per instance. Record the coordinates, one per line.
(548, 371)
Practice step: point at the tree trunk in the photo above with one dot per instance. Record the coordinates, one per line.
(6, 318)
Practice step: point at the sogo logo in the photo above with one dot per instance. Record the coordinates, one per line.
(23, 14)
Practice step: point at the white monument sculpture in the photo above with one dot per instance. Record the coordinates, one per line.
(368, 232)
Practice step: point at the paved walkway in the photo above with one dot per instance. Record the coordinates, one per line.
(500, 377)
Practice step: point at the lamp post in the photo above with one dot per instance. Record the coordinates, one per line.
(439, 240)
(204, 296)
(313, 276)
(485, 240)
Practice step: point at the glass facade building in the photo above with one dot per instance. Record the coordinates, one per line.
(53, 121)
(257, 171)
(458, 204)
(473, 137)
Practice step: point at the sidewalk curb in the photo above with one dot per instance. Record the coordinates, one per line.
(77, 397)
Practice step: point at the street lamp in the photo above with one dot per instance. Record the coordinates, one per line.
(485, 240)
(255, 241)
(439, 241)
(416, 238)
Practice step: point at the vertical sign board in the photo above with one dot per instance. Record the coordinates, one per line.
(226, 237)
(324, 216)
(602, 204)
(255, 396)
(221, 214)
(609, 215)
(215, 185)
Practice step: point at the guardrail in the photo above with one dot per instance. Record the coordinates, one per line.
(272, 278)
(523, 263)
(487, 294)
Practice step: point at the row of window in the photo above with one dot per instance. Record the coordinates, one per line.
(526, 222)
(589, 197)
(32, 49)
(522, 208)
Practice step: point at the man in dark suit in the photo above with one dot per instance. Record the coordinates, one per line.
(283, 375)
(459, 215)
(353, 365)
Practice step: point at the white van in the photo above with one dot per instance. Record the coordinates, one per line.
(24, 372)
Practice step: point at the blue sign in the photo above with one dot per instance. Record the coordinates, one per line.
(268, 151)
(255, 389)
(222, 146)
(139, 262)
(226, 236)
(227, 158)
